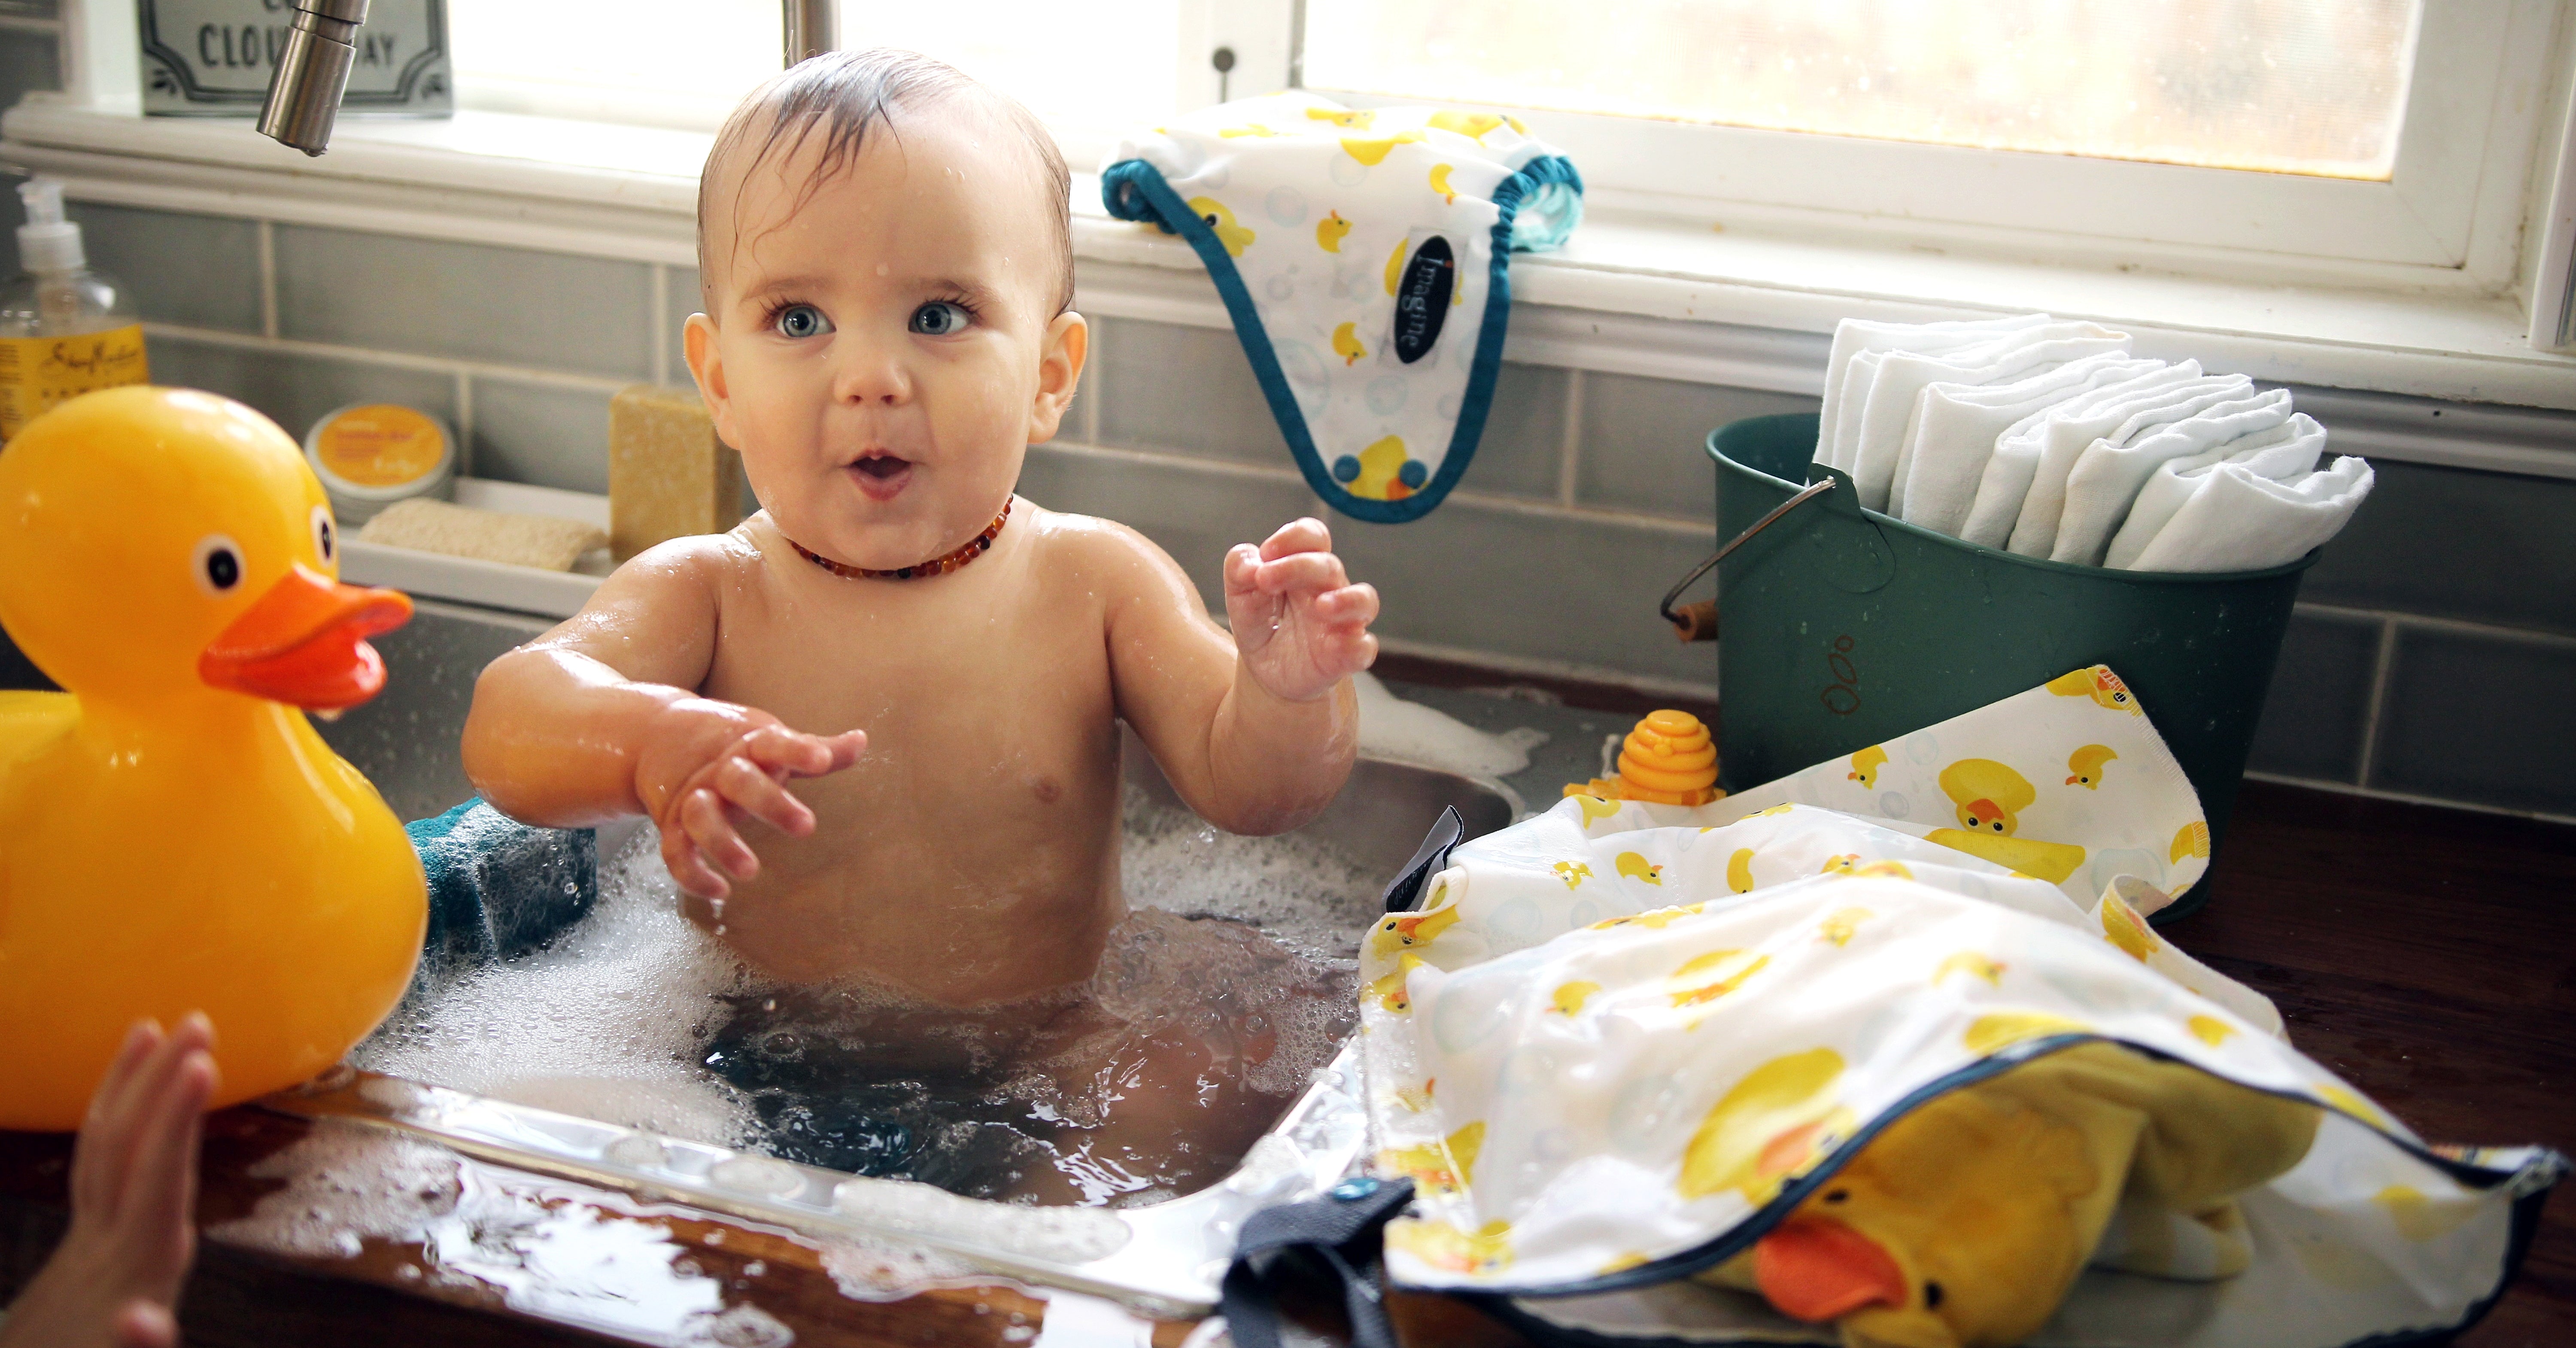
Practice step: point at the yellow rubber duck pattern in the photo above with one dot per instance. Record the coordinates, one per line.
(1378, 348)
(2068, 782)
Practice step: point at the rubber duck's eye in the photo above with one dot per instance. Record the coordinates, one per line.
(801, 321)
(1837, 1195)
(326, 535)
(939, 318)
(1931, 1296)
(218, 564)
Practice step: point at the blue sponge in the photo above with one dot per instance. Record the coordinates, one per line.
(498, 888)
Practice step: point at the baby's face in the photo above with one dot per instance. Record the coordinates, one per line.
(884, 353)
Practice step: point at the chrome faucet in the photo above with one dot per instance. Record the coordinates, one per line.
(321, 45)
(312, 73)
(811, 27)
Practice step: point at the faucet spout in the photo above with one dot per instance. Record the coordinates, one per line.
(312, 73)
(811, 27)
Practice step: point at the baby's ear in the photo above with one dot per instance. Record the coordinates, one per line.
(1066, 346)
(706, 366)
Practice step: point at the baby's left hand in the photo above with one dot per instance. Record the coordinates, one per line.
(1300, 624)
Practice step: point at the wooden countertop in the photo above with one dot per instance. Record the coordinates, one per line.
(2428, 955)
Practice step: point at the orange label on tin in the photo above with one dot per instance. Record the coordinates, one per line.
(380, 446)
(37, 373)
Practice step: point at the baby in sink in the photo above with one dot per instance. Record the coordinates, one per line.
(887, 274)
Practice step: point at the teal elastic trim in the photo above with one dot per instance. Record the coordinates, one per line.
(1134, 190)
(1551, 208)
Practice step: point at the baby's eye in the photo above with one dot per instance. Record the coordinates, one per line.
(802, 320)
(940, 318)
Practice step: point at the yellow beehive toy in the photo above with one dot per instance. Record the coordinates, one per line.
(1668, 759)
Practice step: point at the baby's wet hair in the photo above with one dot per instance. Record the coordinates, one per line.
(847, 95)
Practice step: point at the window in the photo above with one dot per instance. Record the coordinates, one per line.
(2351, 141)
(2314, 88)
(1090, 70)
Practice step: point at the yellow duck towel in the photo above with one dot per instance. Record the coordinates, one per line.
(1966, 1221)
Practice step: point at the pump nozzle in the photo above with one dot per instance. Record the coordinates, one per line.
(48, 243)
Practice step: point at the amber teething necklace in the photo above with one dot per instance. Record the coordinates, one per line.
(937, 566)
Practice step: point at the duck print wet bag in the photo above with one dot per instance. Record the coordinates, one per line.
(1804, 1078)
(1364, 255)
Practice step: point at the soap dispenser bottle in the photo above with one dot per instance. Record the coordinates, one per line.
(64, 329)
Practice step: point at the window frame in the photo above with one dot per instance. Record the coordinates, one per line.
(1636, 291)
(2450, 214)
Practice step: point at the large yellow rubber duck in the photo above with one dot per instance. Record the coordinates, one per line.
(1963, 1224)
(173, 835)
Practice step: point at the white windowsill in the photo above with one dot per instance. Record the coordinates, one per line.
(1632, 292)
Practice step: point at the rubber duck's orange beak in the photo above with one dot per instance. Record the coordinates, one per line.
(305, 643)
(1816, 1270)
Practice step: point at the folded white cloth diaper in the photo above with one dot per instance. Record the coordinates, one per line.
(2106, 476)
(1838, 420)
(1900, 376)
(2015, 463)
(2035, 532)
(2284, 453)
(2240, 520)
(1956, 425)
(1364, 256)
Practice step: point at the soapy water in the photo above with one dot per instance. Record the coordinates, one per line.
(1232, 980)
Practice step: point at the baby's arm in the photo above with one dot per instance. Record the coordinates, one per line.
(600, 718)
(115, 1279)
(1259, 732)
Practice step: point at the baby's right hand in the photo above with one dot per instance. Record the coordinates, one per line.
(708, 765)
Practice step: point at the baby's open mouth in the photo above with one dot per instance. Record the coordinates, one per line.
(881, 476)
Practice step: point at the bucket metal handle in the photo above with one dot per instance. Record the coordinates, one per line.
(1698, 621)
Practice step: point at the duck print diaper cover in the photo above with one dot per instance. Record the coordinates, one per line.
(1364, 255)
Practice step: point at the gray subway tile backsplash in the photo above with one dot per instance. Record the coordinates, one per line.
(546, 434)
(1190, 512)
(2480, 717)
(1538, 586)
(2317, 712)
(506, 306)
(1190, 390)
(2457, 543)
(1524, 442)
(1644, 442)
(198, 270)
(296, 389)
(680, 299)
(2468, 715)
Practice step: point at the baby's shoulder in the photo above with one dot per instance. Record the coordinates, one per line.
(1085, 550)
(697, 569)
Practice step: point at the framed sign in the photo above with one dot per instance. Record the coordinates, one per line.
(213, 58)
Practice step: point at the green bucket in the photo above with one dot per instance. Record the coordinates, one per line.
(1842, 628)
